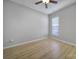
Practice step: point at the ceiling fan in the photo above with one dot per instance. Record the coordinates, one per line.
(46, 2)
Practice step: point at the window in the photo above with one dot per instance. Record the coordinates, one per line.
(55, 26)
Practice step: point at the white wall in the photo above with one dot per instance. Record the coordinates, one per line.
(22, 24)
(67, 23)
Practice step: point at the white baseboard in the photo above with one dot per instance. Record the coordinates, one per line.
(63, 41)
(25, 42)
(39, 40)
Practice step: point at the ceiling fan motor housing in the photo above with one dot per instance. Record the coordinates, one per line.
(45, 1)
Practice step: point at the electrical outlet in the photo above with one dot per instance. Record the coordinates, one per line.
(10, 41)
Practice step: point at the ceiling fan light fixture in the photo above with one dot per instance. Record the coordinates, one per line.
(45, 1)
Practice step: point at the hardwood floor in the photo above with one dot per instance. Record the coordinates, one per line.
(43, 49)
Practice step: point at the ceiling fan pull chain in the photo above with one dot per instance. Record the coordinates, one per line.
(46, 5)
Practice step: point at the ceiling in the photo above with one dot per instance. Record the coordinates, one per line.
(41, 8)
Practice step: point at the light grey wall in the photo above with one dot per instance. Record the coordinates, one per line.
(22, 24)
(67, 22)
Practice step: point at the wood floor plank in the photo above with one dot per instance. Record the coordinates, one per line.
(43, 49)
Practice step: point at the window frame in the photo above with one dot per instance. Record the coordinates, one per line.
(54, 33)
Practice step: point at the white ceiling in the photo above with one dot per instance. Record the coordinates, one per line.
(41, 8)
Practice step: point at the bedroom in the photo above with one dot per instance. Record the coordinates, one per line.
(38, 32)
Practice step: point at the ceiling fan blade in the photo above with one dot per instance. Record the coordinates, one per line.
(53, 1)
(46, 5)
(38, 2)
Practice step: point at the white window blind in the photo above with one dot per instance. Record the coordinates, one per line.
(55, 26)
